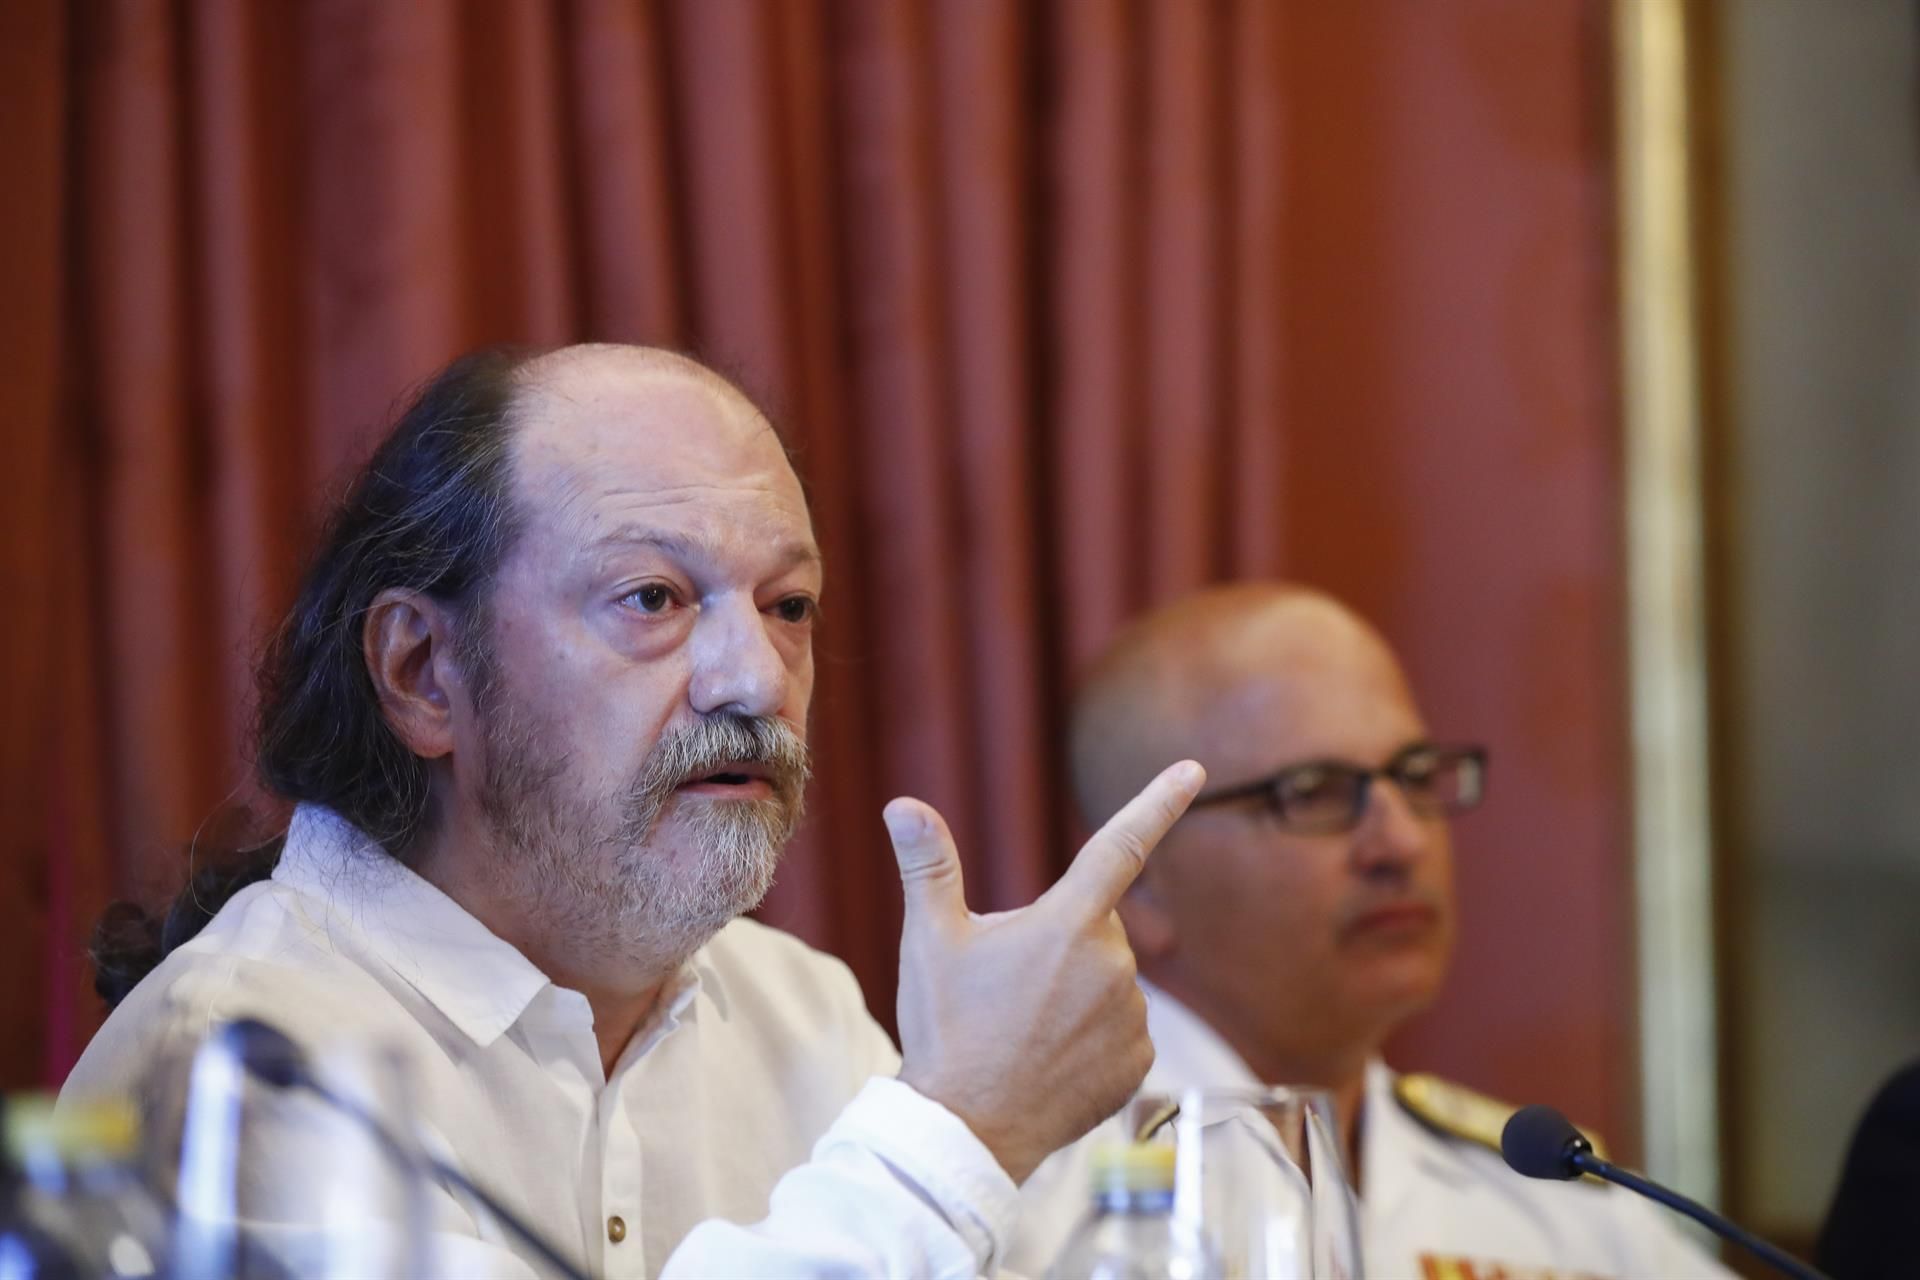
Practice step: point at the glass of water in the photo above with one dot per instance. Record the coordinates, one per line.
(276, 1180)
(1258, 1172)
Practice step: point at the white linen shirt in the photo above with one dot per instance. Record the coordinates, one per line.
(1432, 1207)
(760, 1091)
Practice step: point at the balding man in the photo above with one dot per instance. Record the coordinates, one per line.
(541, 704)
(1301, 911)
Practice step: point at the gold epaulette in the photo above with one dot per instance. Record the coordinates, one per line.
(1459, 1112)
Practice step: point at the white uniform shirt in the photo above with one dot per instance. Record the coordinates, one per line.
(1433, 1207)
(759, 1093)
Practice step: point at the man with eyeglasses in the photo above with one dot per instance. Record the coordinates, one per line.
(1301, 911)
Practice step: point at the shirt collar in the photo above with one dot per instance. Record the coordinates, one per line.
(478, 980)
(1398, 1152)
(1189, 1054)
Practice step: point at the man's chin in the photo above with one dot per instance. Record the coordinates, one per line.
(677, 921)
(735, 881)
(1404, 983)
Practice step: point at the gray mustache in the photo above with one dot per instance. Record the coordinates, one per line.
(701, 748)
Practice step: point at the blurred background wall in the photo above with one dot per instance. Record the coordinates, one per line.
(1067, 307)
(1816, 173)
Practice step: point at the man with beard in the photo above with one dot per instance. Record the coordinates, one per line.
(1302, 910)
(541, 704)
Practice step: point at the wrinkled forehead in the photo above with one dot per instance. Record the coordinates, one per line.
(608, 438)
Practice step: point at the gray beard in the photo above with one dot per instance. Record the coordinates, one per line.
(586, 867)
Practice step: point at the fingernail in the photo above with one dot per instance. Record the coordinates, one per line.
(1188, 773)
(905, 820)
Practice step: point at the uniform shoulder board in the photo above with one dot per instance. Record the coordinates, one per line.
(1456, 1111)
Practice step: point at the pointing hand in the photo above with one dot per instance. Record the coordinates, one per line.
(1027, 1024)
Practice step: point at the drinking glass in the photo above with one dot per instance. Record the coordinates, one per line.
(1258, 1172)
(277, 1181)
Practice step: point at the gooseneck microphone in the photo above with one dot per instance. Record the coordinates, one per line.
(270, 1056)
(1541, 1143)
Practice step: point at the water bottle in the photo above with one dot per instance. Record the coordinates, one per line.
(75, 1203)
(27, 1251)
(1131, 1233)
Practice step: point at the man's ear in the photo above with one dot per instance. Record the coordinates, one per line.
(1148, 923)
(408, 645)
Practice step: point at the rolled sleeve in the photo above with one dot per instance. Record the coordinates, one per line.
(898, 1187)
(935, 1152)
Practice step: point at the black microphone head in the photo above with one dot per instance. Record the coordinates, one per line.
(267, 1052)
(1541, 1143)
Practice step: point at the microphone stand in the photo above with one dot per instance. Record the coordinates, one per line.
(1587, 1162)
(267, 1054)
(417, 1162)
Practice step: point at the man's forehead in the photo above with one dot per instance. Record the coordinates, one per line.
(620, 429)
(1303, 676)
(612, 400)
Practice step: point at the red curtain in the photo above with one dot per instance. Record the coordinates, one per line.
(1066, 307)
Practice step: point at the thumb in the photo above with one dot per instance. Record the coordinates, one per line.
(929, 863)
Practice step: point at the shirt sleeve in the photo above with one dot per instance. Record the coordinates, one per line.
(898, 1187)
(1053, 1201)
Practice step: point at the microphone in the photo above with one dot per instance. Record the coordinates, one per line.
(1539, 1142)
(270, 1056)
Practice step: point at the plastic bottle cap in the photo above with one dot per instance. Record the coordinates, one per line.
(1133, 1166)
(106, 1128)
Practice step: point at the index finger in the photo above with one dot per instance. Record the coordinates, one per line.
(1112, 860)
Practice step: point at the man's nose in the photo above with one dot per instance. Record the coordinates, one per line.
(736, 666)
(1390, 834)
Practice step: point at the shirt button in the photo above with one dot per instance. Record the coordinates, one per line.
(616, 1228)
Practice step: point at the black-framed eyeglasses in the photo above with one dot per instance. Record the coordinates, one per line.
(1326, 797)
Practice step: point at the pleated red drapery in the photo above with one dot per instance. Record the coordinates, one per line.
(1065, 308)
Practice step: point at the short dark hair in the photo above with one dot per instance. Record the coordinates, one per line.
(431, 511)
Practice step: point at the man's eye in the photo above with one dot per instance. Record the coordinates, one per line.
(1308, 784)
(796, 609)
(652, 598)
(1418, 770)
